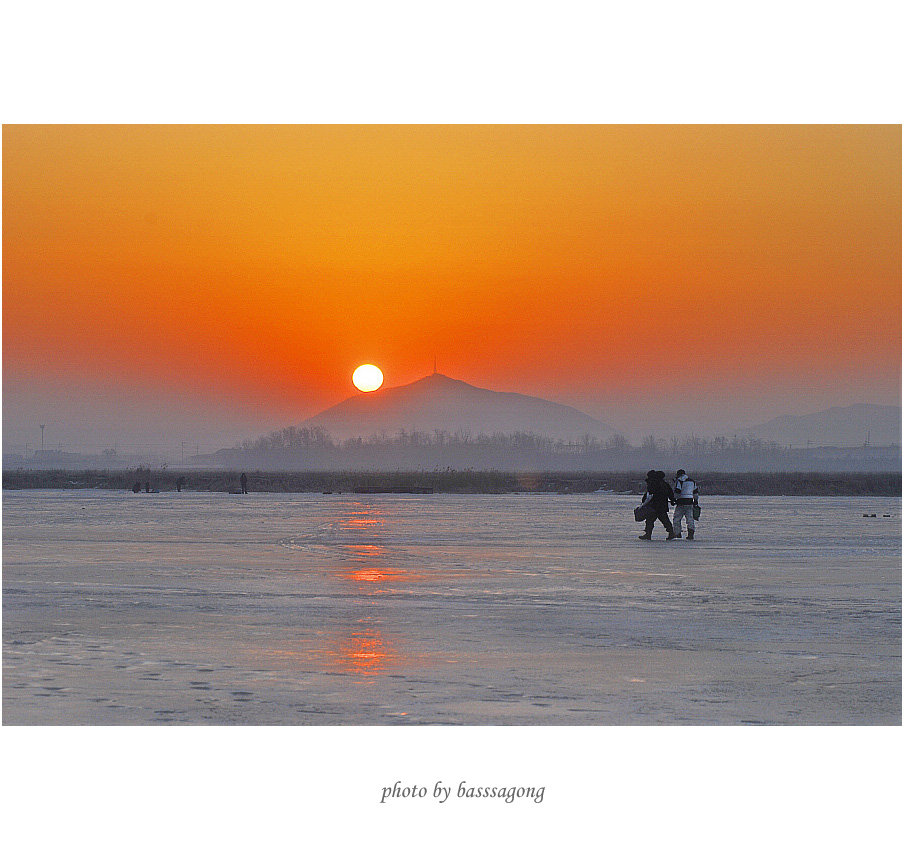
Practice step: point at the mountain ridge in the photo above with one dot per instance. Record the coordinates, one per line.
(847, 426)
(439, 403)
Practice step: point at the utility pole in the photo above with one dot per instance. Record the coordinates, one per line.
(42, 438)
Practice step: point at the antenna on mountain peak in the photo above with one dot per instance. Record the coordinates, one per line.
(434, 364)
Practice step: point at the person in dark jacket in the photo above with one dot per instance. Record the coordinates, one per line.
(659, 495)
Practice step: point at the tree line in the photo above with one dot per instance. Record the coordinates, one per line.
(314, 448)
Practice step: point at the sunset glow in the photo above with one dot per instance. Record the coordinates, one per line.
(222, 280)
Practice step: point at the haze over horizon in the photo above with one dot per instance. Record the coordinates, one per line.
(169, 284)
(229, 428)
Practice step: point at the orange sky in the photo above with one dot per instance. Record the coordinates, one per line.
(256, 267)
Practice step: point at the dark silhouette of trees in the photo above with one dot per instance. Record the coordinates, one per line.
(314, 448)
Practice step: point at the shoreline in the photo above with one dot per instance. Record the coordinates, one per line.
(814, 484)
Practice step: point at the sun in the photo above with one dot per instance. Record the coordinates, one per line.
(367, 378)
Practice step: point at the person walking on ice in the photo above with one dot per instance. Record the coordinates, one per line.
(686, 495)
(658, 495)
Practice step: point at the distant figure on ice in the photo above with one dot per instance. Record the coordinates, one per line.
(659, 495)
(686, 495)
(147, 485)
(136, 487)
(180, 483)
(244, 482)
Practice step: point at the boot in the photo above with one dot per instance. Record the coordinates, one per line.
(690, 534)
(673, 536)
(645, 536)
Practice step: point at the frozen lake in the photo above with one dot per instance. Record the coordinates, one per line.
(206, 608)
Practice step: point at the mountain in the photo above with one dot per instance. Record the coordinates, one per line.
(837, 426)
(440, 403)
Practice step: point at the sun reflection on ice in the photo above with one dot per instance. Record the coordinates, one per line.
(366, 651)
(369, 571)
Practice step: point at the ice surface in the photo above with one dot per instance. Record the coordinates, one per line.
(206, 608)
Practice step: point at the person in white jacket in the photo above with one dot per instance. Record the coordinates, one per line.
(686, 497)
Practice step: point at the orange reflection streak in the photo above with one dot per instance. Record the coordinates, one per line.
(365, 519)
(360, 649)
(355, 646)
(370, 575)
(363, 522)
(374, 571)
(380, 576)
(366, 651)
(369, 558)
(367, 551)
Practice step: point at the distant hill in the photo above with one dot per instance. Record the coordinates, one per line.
(440, 403)
(837, 426)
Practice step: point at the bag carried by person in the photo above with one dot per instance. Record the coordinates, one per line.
(696, 512)
(644, 512)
